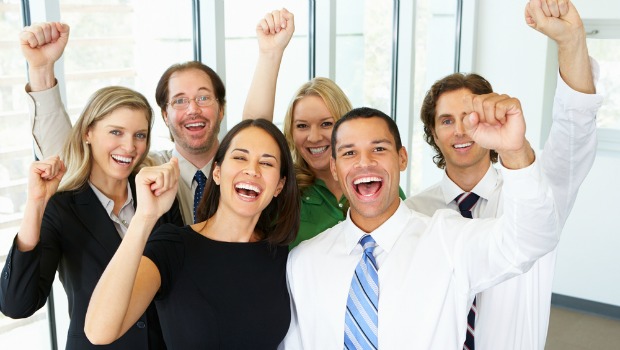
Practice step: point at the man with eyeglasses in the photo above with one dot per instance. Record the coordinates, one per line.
(191, 96)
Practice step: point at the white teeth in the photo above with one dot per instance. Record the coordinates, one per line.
(366, 180)
(463, 145)
(245, 186)
(122, 159)
(316, 150)
(197, 124)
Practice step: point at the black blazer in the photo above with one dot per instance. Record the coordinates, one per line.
(78, 239)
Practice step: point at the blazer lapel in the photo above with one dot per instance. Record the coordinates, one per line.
(95, 219)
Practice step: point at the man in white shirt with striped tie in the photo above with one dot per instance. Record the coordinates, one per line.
(514, 314)
(419, 274)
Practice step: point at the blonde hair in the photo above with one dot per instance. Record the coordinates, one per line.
(336, 102)
(76, 154)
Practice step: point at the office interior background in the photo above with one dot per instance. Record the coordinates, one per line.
(383, 53)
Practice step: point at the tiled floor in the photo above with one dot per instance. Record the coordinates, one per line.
(571, 330)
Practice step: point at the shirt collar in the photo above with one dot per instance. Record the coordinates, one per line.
(484, 188)
(385, 235)
(188, 170)
(107, 203)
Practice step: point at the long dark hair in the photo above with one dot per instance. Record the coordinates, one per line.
(279, 222)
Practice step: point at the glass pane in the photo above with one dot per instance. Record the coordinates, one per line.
(434, 59)
(364, 52)
(15, 158)
(607, 54)
(121, 42)
(242, 53)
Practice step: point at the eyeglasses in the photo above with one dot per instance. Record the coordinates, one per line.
(183, 102)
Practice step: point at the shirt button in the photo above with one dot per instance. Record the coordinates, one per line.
(307, 198)
(340, 205)
(141, 324)
(5, 275)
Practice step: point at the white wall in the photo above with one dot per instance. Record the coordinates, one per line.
(513, 58)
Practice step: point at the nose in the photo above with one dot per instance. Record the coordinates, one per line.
(459, 128)
(252, 170)
(366, 159)
(314, 135)
(129, 144)
(193, 107)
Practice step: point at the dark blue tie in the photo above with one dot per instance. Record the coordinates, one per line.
(201, 179)
(466, 201)
(361, 317)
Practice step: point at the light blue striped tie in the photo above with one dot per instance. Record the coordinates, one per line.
(361, 319)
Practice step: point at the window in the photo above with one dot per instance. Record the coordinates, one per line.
(604, 45)
(242, 53)
(15, 157)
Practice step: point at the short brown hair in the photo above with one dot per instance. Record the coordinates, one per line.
(162, 93)
(472, 82)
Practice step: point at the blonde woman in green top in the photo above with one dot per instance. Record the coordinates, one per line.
(308, 123)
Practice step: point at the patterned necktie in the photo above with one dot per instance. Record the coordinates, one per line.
(361, 318)
(201, 179)
(466, 201)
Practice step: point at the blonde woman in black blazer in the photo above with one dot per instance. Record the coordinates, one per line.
(71, 230)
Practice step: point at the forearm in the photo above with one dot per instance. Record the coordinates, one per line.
(30, 228)
(530, 218)
(261, 95)
(574, 64)
(109, 315)
(50, 122)
(41, 78)
(517, 159)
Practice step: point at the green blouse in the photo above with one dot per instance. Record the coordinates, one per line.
(321, 210)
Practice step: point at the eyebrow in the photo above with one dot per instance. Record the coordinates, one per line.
(373, 142)
(243, 150)
(322, 120)
(202, 88)
(123, 128)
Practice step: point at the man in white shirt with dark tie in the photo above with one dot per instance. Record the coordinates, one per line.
(419, 274)
(515, 313)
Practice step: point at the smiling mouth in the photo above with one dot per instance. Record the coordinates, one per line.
(247, 191)
(463, 145)
(122, 160)
(317, 150)
(368, 186)
(195, 126)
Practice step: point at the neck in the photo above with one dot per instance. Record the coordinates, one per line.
(332, 185)
(467, 178)
(369, 224)
(116, 190)
(225, 226)
(199, 158)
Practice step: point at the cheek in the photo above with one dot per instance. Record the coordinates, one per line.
(298, 138)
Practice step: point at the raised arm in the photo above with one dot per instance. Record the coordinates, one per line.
(42, 45)
(130, 281)
(570, 149)
(29, 272)
(274, 32)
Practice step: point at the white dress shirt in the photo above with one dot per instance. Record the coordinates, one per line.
(515, 313)
(429, 268)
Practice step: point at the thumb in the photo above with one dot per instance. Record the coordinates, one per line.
(63, 28)
(534, 14)
(470, 123)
